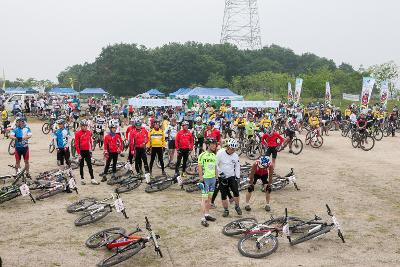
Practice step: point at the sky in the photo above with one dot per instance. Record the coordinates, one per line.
(41, 38)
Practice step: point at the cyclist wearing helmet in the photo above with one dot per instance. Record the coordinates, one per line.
(116, 122)
(21, 134)
(74, 116)
(83, 146)
(170, 134)
(211, 132)
(261, 169)
(99, 124)
(61, 141)
(113, 146)
(184, 145)
(137, 145)
(157, 145)
(207, 173)
(228, 167)
(198, 131)
(240, 123)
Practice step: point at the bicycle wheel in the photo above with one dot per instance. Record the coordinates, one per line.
(46, 128)
(367, 143)
(50, 193)
(97, 162)
(104, 237)
(193, 169)
(8, 196)
(238, 227)
(317, 141)
(159, 186)
(258, 245)
(129, 186)
(378, 134)
(354, 141)
(81, 204)
(253, 152)
(121, 255)
(11, 147)
(324, 229)
(278, 185)
(192, 188)
(91, 218)
(297, 146)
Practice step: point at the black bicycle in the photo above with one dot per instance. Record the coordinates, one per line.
(18, 187)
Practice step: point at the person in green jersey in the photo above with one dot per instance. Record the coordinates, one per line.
(250, 128)
(207, 173)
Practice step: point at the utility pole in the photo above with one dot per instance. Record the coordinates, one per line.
(241, 25)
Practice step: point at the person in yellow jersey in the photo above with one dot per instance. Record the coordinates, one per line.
(347, 113)
(157, 144)
(265, 122)
(4, 119)
(240, 123)
(314, 122)
(165, 122)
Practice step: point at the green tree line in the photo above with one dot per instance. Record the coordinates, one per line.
(130, 69)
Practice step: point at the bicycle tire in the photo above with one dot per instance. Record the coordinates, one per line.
(128, 251)
(46, 128)
(371, 140)
(89, 218)
(192, 188)
(298, 145)
(307, 237)
(229, 231)
(49, 193)
(193, 169)
(81, 205)
(11, 147)
(279, 185)
(318, 143)
(159, 186)
(126, 187)
(378, 134)
(354, 141)
(105, 237)
(8, 196)
(271, 239)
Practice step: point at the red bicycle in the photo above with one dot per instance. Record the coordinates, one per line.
(126, 245)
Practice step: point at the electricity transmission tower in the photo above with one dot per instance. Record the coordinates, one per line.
(241, 24)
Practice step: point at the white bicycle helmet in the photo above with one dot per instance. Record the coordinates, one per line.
(232, 143)
(112, 124)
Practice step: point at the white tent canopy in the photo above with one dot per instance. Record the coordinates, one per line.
(255, 104)
(140, 102)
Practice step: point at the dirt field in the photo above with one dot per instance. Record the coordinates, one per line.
(361, 187)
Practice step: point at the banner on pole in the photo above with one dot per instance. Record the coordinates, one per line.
(328, 96)
(290, 93)
(384, 92)
(368, 85)
(350, 97)
(297, 90)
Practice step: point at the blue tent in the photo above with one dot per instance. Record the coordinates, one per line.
(214, 93)
(154, 92)
(63, 91)
(180, 92)
(93, 91)
(20, 90)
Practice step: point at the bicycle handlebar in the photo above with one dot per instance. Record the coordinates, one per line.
(329, 210)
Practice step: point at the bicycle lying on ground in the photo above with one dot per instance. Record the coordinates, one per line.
(17, 188)
(95, 210)
(126, 245)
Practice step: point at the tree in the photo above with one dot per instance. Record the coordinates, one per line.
(388, 71)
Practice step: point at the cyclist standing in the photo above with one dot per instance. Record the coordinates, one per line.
(113, 146)
(207, 173)
(157, 145)
(270, 139)
(199, 135)
(83, 146)
(228, 167)
(137, 144)
(61, 141)
(21, 133)
(184, 145)
(261, 169)
(170, 134)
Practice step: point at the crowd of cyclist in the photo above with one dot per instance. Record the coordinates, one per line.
(203, 131)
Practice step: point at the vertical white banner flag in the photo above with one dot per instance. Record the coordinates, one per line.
(328, 97)
(384, 92)
(290, 93)
(368, 85)
(297, 90)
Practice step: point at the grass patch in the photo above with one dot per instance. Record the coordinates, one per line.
(371, 218)
(82, 254)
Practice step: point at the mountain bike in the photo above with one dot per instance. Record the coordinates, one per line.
(130, 183)
(375, 131)
(47, 127)
(96, 210)
(297, 145)
(160, 183)
(314, 139)
(362, 140)
(98, 140)
(16, 189)
(126, 245)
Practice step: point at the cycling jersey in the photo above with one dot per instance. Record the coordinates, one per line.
(266, 122)
(156, 138)
(138, 138)
(314, 121)
(250, 128)
(99, 124)
(208, 160)
(61, 138)
(20, 133)
(4, 116)
(83, 141)
(214, 133)
(272, 140)
(184, 140)
(171, 132)
(113, 143)
(240, 123)
(260, 171)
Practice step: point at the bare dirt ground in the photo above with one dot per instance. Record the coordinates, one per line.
(361, 187)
